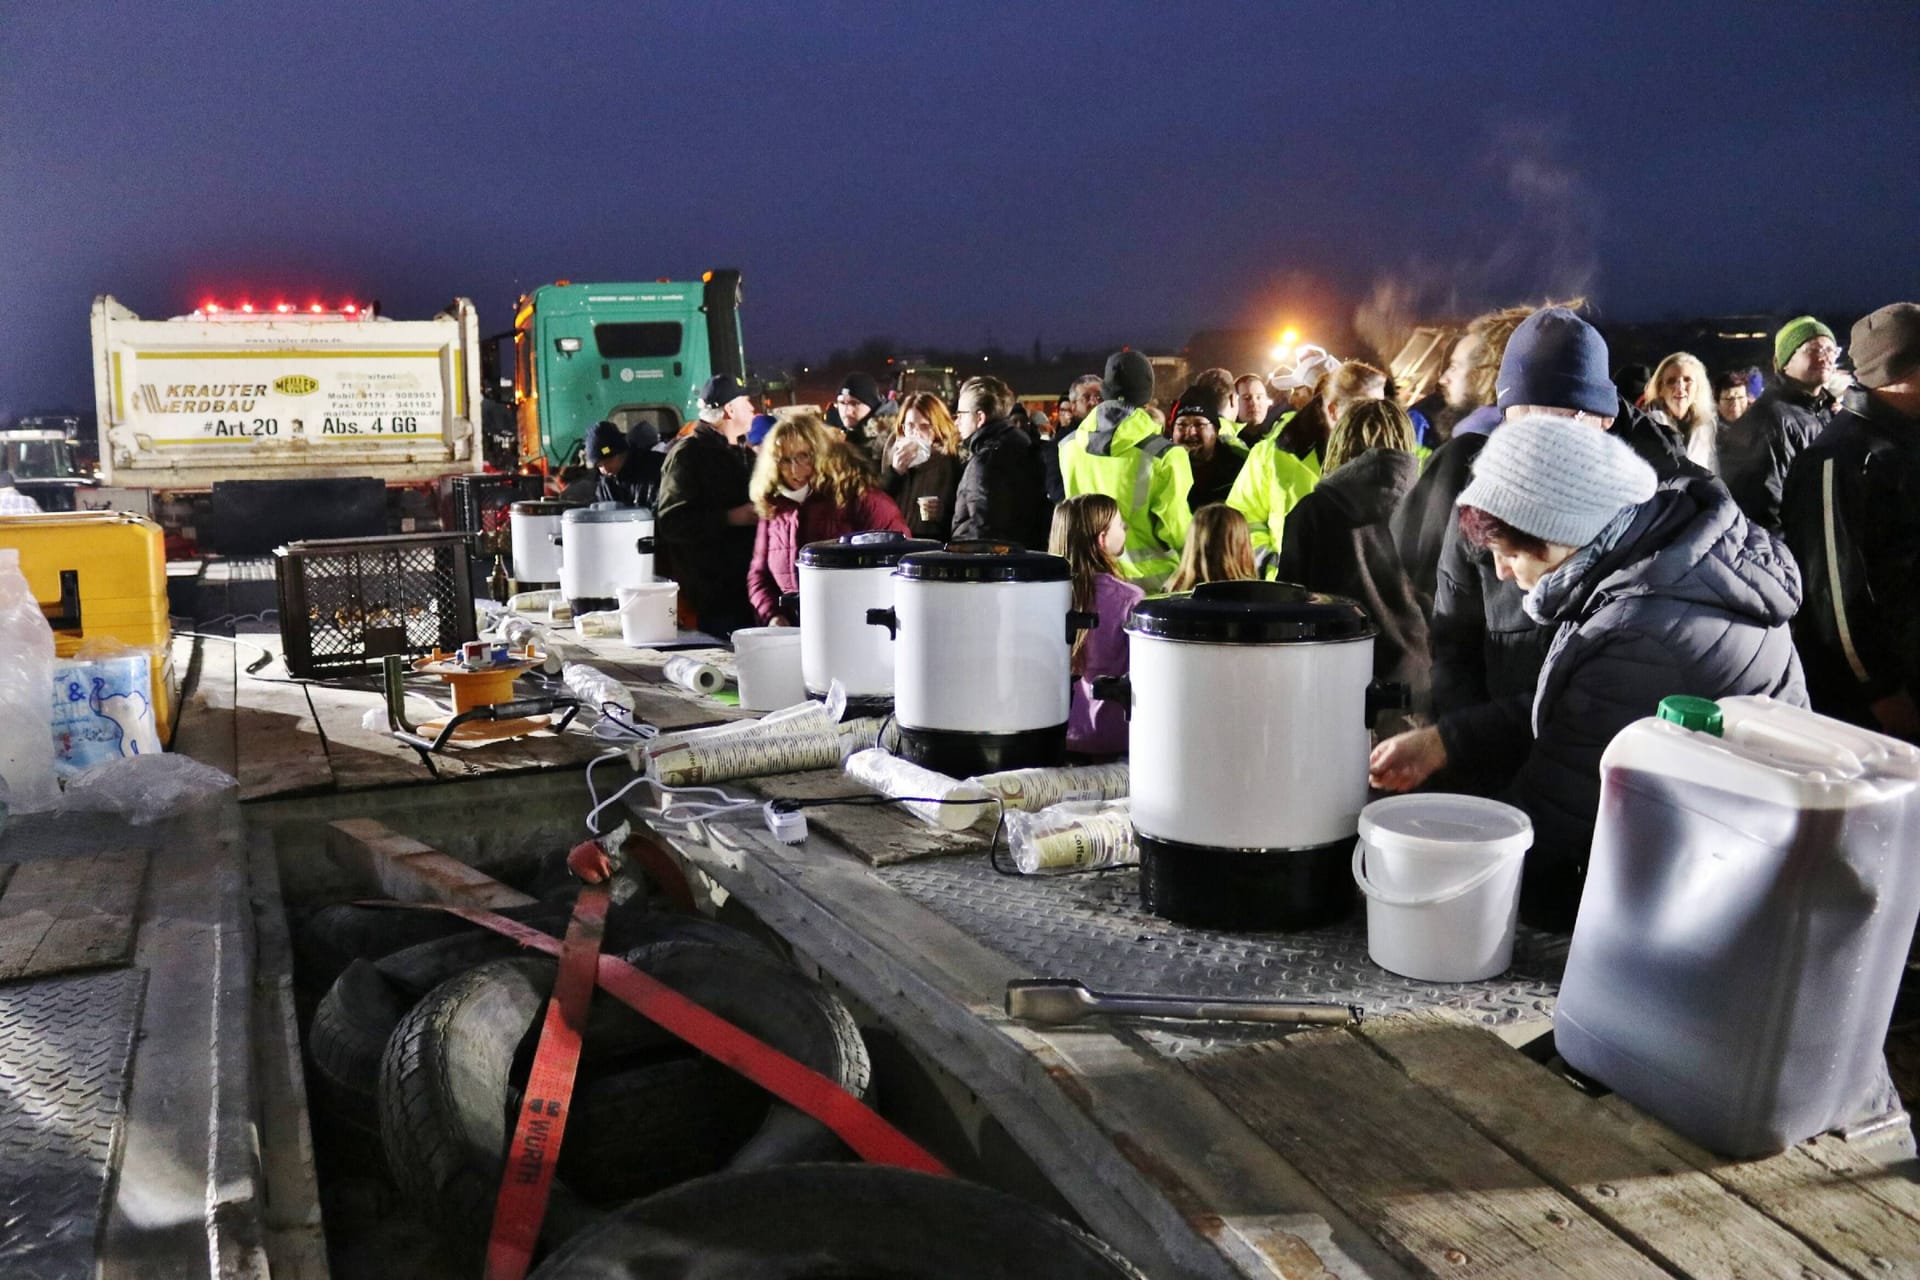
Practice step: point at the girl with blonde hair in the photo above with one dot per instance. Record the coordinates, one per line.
(1088, 533)
(807, 487)
(1219, 549)
(1338, 540)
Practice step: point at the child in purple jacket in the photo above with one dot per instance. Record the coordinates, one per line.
(1088, 533)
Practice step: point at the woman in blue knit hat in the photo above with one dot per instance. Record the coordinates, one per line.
(1651, 588)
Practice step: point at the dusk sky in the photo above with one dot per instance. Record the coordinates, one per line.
(946, 174)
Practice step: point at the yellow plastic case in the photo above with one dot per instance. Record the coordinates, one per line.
(117, 587)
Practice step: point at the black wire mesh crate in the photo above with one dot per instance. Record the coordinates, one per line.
(347, 603)
(479, 505)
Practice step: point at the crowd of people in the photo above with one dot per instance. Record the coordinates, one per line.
(1547, 547)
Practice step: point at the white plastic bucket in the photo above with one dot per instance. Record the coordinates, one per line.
(768, 663)
(647, 614)
(1442, 879)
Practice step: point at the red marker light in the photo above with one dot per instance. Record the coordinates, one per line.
(247, 307)
(213, 308)
(282, 307)
(315, 308)
(350, 308)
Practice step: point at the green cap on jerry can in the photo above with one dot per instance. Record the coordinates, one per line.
(1701, 715)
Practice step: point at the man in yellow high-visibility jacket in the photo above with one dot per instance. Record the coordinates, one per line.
(1119, 450)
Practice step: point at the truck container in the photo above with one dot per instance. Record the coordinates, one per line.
(623, 353)
(243, 393)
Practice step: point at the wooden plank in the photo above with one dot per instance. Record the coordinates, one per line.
(280, 750)
(1664, 1205)
(404, 868)
(67, 913)
(361, 757)
(1443, 1199)
(1155, 1163)
(879, 834)
(1863, 1215)
(205, 726)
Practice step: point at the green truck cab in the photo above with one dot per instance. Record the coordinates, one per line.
(626, 353)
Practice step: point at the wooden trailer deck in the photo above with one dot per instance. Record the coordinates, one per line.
(1423, 1144)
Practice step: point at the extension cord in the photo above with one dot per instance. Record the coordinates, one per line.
(788, 826)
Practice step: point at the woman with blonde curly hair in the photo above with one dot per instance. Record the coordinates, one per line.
(1219, 549)
(922, 465)
(1679, 395)
(807, 487)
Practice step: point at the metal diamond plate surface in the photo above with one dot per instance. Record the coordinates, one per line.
(64, 1050)
(1091, 927)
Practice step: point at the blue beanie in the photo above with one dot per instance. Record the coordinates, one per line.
(1558, 361)
(605, 441)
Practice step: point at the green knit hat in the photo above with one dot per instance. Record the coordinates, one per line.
(1795, 334)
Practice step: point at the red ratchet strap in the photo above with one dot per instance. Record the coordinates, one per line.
(527, 1180)
(851, 1120)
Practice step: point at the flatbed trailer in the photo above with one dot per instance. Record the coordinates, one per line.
(1428, 1142)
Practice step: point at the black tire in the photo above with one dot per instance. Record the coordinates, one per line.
(418, 969)
(346, 1041)
(336, 935)
(447, 1083)
(812, 1222)
(686, 1114)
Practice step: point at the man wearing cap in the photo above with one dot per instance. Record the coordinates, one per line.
(629, 466)
(1650, 588)
(1758, 453)
(1487, 649)
(859, 397)
(705, 520)
(1852, 514)
(1120, 451)
(1216, 460)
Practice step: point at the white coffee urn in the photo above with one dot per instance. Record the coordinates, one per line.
(602, 548)
(840, 581)
(984, 634)
(534, 525)
(1248, 750)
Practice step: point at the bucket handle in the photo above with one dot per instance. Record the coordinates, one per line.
(1380, 895)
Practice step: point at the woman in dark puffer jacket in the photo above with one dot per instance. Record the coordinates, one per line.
(1653, 588)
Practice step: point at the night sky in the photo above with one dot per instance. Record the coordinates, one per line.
(952, 174)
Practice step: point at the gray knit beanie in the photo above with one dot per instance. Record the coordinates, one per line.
(1560, 481)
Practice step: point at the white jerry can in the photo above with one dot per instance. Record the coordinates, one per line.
(1748, 909)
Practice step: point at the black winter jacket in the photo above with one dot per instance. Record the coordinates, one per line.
(1857, 489)
(1336, 540)
(1486, 650)
(705, 477)
(1421, 522)
(1003, 491)
(1757, 453)
(1691, 598)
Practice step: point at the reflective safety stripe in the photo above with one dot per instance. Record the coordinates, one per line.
(1833, 575)
(1142, 481)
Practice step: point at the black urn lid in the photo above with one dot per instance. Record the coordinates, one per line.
(863, 550)
(1251, 613)
(984, 562)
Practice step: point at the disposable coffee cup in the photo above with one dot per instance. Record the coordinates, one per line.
(930, 507)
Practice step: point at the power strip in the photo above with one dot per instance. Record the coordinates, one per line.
(788, 826)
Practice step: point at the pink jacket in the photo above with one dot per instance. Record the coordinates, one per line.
(779, 537)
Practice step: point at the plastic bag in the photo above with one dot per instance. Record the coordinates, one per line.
(144, 789)
(103, 705)
(26, 681)
(1073, 837)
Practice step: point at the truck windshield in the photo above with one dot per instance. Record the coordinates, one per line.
(37, 459)
(637, 340)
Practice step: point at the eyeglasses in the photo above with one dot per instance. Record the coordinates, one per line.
(796, 459)
(964, 410)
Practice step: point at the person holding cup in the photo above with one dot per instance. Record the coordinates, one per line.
(922, 466)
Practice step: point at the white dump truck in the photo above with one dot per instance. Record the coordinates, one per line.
(280, 392)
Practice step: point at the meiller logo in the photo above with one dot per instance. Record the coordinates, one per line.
(296, 384)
